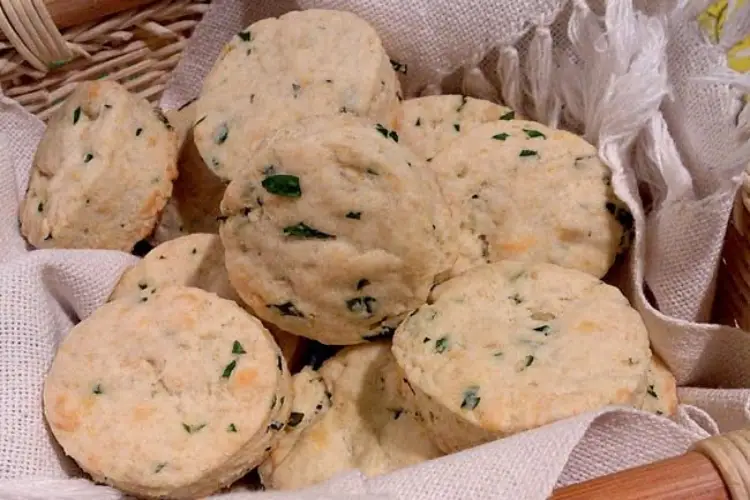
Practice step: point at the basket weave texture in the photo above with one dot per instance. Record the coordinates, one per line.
(138, 48)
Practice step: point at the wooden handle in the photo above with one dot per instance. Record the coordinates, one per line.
(67, 13)
(691, 476)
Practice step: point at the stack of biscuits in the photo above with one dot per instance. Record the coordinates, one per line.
(456, 249)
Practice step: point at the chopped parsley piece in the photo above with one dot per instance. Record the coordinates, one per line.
(200, 120)
(388, 134)
(40, 207)
(237, 348)
(76, 115)
(294, 419)
(527, 152)
(457, 127)
(283, 185)
(192, 429)
(371, 172)
(159, 467)
(508, 116)
(542, 329)
(162, 118)
(396, 412)
(651, 392)
(362, 283)
(441, 345)
(659, 412)
(138, 131)
(385, 332)
(353, 215)
(245, 36)
(529, 359)
(501, 137)
(287, 309)
(295, 89)
(399, 67)
(302, 230)
(229, 369)
(418, 123)
(277, 426)
(463, 103)
(426, 339)
(97, 389)
(361, 305)
(498, 354)
(142, 285)
(231, 428)
(533, 134)
(88, 158)
(471, 400)
(220, 137)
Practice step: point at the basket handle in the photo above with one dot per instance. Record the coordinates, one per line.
(33, 26)
(717, 468)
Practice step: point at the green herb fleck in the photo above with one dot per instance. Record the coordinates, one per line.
(302, 230)
(276, 426)
(245, 36)
(142, 285)
(97, 389)
(138, 132)
(527, 152)
(353, 215)
(508, 116)
(192, 429)
(464, 100)
(40, 207)
(88, 158)
(651, 392)
(294, 419)
(529, 359)
(229, 369)
(295, 90)
(659, 412)
(361, 305)
(58, 64)
(283, 185)
(159, 467)
(220, 137)
(396, 412)
(278, 362)
(231, 428)
(200, 120)
(362, 283)
(384, 332)
(542, 329)
(237, 348)
(533, 134)
(457, 127)
(287, 309)
(441, 345)
(372, 172)
(418, 123)
(426, 339)
(76, 115)
(471, 400)
(388, 134)
(162, 118)
(498, 354)
(501, 136)
(398, 67)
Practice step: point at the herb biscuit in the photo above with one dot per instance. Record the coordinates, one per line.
(195, 260)
(523, 191)
(511, 346)
(310, 402)
(335, 231)
(661, 389)
(197, 193)
(369, 426)
(429, 124)
(278, 71)
(102, 172)
(174, 395)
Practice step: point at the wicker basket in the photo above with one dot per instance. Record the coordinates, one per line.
(139, 47)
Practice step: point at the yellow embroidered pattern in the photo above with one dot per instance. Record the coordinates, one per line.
(712, 21)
